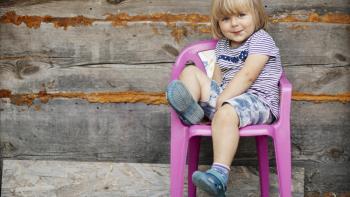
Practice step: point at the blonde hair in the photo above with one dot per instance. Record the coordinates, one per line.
(224, 8)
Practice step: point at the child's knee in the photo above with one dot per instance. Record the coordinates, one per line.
(188, 70)
(226, 115)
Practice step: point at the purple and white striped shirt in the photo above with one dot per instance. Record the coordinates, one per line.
(231, 60)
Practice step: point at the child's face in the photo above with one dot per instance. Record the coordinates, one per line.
(238, 27)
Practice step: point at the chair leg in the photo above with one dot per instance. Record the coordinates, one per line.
(264, 170)
(193, 157)
(178, 153)
(284, 165)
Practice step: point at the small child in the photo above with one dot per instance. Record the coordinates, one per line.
(244, 89)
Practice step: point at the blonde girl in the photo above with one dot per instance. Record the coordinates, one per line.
(243, 90)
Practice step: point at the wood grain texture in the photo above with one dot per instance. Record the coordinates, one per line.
(325, 178)
(99, 42)
(33, 78)
(93, 8)
(99, 47)
(94, 78)
(63, 178)
(156, 43)
(78, 130)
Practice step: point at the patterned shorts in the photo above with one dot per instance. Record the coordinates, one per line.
(249, 108)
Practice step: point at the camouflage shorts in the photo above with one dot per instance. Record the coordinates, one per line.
(249, 108)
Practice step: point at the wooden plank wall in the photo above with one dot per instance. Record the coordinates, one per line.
(85, 80)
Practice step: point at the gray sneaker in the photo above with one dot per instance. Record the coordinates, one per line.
(181, 100)
(210, 182)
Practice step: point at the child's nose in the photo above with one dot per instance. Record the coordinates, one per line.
(234, 21)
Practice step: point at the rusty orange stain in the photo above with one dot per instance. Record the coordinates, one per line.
(345, 194)
(152, 98)
(37, 107)
(124, 18)
(69, 21)
(198, 23)
(30, 21)
(128, 97)
(299, 96)
(104, 97)
(332, 194)
(5, 93)
(299, 27)
(35, 21)
(178, 32)
(313, 17)
(19, 99)
(155, 30)
(204, 30)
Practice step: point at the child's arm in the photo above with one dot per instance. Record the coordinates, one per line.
(244, 78)
(217, 76)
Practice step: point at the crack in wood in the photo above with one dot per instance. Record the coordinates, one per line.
(116, 1)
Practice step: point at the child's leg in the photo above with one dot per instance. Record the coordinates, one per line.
(183, 95)
(197, 83)
(225, 134)
(225, 140)
(243, 110)
(237, 112)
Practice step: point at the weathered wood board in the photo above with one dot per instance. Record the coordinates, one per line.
(159, 42)
(150, 36)
(78, 130)
(62, 178)
(94, 46)
(98, 9)
(138, 6)
(316, 79)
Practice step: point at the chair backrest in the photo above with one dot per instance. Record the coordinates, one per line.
(191, 54)
(285, 101)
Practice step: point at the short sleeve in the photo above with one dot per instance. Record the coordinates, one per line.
(262, 43)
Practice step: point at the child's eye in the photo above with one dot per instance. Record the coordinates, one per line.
(225, 18)
(240, 15)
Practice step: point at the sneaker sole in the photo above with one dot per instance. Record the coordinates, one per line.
(180, 99)
(202, 182)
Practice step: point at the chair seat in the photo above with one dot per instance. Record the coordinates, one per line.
(253, 130)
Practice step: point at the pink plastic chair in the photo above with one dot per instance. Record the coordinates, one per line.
(185, 141)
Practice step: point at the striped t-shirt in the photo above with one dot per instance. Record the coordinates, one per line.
(231, 60)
